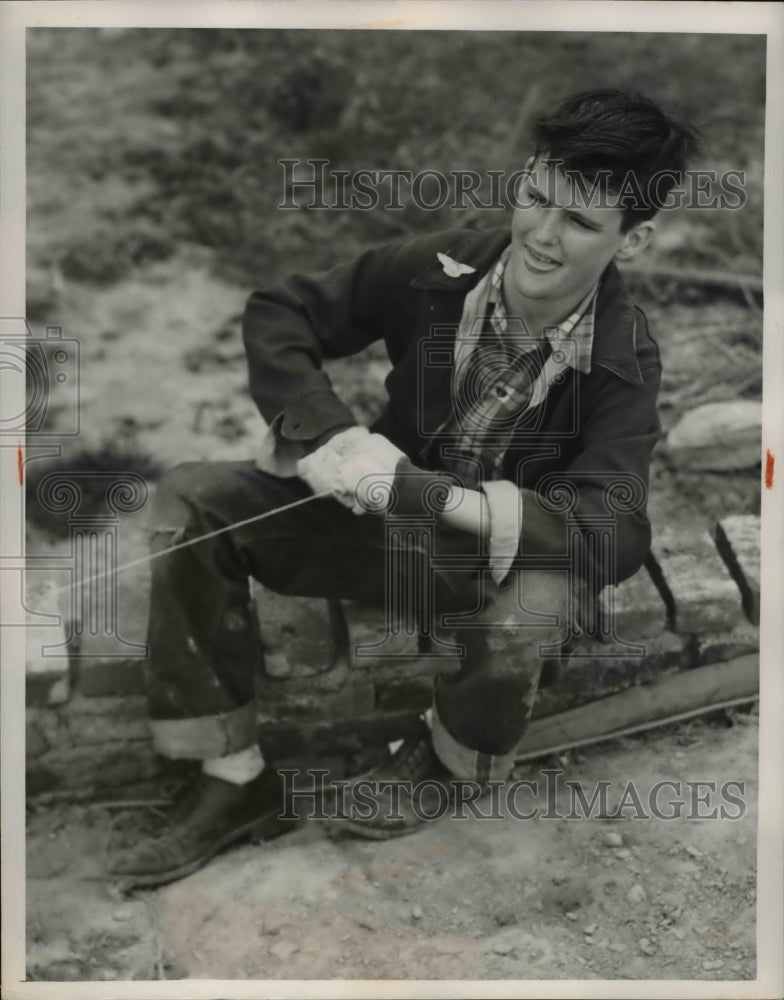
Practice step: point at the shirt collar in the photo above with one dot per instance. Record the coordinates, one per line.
(577, 327)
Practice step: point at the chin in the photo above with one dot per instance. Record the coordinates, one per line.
(536, 288)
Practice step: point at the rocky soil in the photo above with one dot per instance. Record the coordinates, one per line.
(471, 899)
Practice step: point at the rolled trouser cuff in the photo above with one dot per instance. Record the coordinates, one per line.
(465, 763)
(206, 735)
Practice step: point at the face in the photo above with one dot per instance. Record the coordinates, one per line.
(561, 242)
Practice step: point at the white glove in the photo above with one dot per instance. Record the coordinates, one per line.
(357, 467)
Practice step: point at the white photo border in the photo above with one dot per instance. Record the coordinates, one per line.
(571, 15)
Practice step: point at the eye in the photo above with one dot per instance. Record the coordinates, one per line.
(528, 196)
(581, 223)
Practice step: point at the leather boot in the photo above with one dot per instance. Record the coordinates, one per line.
(409, 788)
(212, 816)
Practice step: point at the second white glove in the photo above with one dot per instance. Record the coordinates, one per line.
(357, 467)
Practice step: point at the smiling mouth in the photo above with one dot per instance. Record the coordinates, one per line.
(541, 258)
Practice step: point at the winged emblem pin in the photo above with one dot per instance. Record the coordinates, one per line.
(453, 268)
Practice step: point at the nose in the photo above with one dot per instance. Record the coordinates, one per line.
(548, 231)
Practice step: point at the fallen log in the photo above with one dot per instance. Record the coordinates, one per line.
(696, 276)
(673, 699)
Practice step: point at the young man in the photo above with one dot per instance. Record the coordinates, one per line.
(523, 381)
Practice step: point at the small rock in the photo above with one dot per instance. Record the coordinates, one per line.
(636, 894)
(717, 436)
(284, 949)
(571, 915)
(679, 933)
(623, 854)
(447, 947)
(618, 946)
(503, 948)
(124, 913)
(636, 969)
(693, 851)
(416, 913)
(277, 665)
(610, 838)
(115, 892)
(712, 963)
(505, 916)
(646, 947)
(590, 928)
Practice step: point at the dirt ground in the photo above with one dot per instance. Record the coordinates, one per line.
(470, 899)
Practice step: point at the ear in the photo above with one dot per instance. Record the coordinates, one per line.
(635, 240)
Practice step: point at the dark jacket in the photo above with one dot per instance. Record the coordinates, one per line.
(591, 432)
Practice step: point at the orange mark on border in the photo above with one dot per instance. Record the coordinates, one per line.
(20, 465)
(770, 461)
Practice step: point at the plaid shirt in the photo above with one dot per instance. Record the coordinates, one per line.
(502, 375)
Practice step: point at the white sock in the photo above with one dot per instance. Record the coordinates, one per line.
(238, 768)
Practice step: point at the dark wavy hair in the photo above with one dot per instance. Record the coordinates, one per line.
(623, 140)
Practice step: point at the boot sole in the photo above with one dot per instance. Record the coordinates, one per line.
(256, 831)
(376, 833)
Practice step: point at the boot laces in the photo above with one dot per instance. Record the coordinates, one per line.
(414, 759)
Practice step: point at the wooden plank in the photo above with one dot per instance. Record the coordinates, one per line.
(679, 695)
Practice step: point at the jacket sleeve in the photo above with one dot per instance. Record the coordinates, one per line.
(608, 479)
(290, 329)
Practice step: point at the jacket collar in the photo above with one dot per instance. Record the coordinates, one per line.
(479, 250)
(614, 345)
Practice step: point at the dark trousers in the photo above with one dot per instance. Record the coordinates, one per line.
(204, 643)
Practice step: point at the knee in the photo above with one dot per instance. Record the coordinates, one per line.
(532, 607)
(178, 492)
(183, 479)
